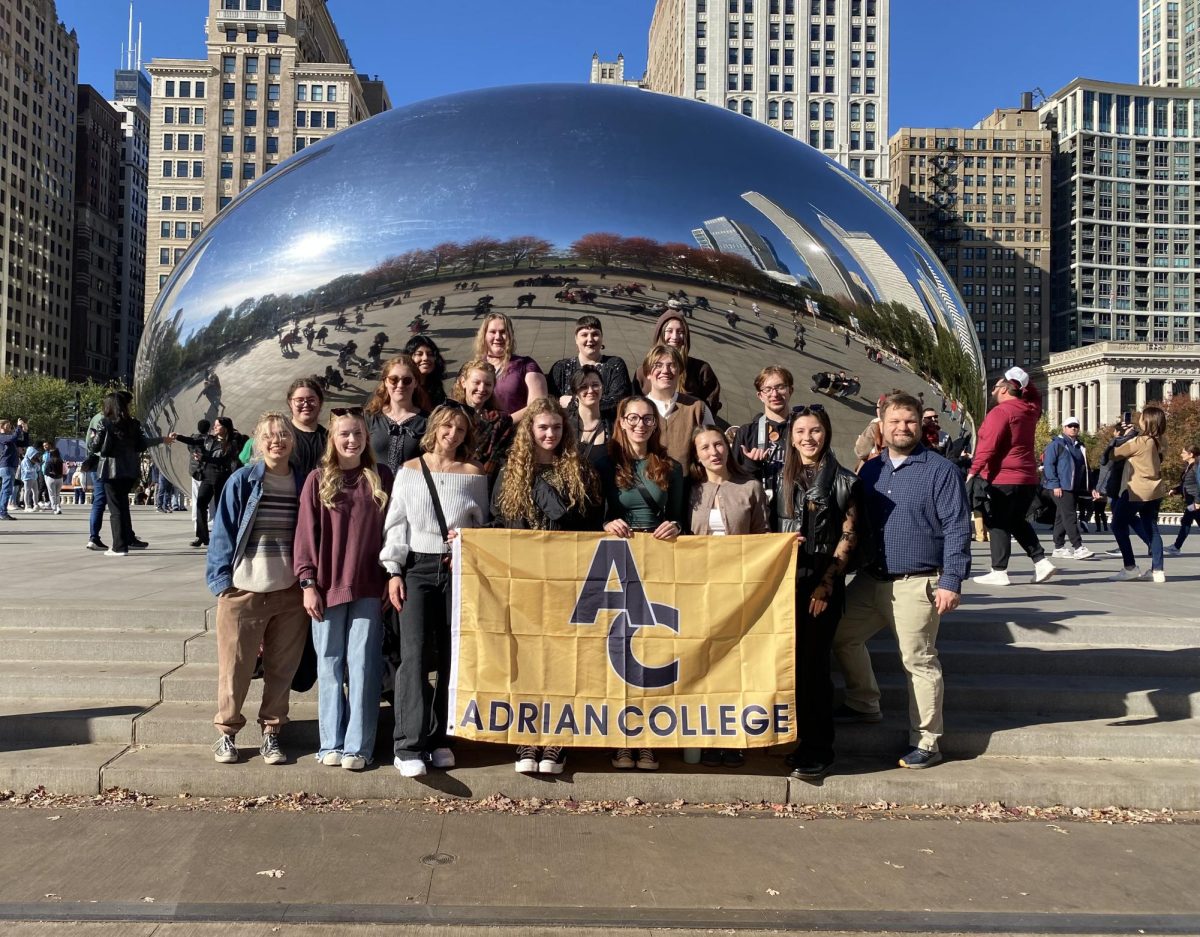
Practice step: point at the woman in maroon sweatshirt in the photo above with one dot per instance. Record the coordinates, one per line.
(1005, 459)
(338, 536)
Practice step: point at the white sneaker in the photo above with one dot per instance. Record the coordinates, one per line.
(354, 762)
(1127, 574)
(1159, 575)
(1172, 550)
(1082, 553)
(331, 759)
(527, 759)
(997, 577)
(1144, 575)
(1042, 570)
(1063, 553)
(411, 766)
(441, 758)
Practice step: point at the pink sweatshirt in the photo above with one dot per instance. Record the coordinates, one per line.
(1004, 454)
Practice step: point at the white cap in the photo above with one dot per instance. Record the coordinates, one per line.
(1019, 375)
(1071, 421)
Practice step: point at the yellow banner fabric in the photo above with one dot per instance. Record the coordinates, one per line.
(585, 639)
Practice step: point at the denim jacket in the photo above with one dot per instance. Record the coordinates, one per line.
(233, 522)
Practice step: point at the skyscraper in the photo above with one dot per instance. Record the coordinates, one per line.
(277, 77)
(39, 61)
(1167, 43)
(815, 69)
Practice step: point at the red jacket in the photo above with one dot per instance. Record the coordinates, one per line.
(1004, 452)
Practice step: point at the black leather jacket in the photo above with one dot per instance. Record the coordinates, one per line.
(819, 511)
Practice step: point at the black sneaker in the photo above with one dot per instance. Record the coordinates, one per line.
(95, 543)
(920, 758)
(553, 760)
(845, 714)
(198, 543)
(136, 544)
(733, 758)
(807, 767)
(711, 758)
(527, 759)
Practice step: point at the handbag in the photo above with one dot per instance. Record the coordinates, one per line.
(437, 508)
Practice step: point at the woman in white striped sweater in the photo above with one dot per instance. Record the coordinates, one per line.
(416, 554)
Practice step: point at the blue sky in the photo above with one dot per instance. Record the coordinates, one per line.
(945, 70)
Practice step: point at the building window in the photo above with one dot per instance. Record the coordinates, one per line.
(168, 115)
(197, 203)
(180, 229)
(331, 120)
(272, 144)
(198, 116)
(166, 168)
(181, 168)
(228, 64)
(164, 229)
(164, 256)
(300, 143)
(166, 203)
(224, 200)
(227, 117)
(252, 65)
(227, 170)
(273, 118)
(227, 143)
(196, 229)
(701, 81)
(231, 35)
(170, 89)
(197, 169)
(272, 36)
(272, 92)
(251, 90)
(870, 113)
(301, 92)
(168, 141)
(227, 91)
(179, 252)
(181, 203)
(314, 120)
(249, 145)
(248, 170)
(318, 92)
(250, 118)
(331, 94)
(251, 34)
(301, 118)
(274, 64)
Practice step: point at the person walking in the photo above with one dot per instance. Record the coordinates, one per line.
(52, 471)
(119, 442)
(1005, 460)
(338, 537)
(1140, 492)
(434, 496)
(918, 523)
(546, 485)
(725, 500)
(12, 439)
(1190, 491)
(1065, 475)
(249, 568)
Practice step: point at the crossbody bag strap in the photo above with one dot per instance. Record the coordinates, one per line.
(655, 508)
(437, 503)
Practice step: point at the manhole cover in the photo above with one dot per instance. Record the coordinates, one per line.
(438, 858)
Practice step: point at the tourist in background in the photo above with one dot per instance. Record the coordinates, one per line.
(119, 442)
(1190, 491)
(1065, 475)
(1136, 497)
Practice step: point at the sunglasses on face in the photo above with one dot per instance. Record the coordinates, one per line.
(402, 381)
(645, 419)
(805, 409)
(346, 411)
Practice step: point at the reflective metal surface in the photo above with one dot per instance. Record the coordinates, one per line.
(498, 186)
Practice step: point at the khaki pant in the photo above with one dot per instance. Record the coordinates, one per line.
(906, 606)
(245, 620)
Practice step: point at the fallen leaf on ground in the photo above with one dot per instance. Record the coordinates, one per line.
(772, 891)
(271, 873)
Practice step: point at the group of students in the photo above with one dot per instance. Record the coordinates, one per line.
(356, 549)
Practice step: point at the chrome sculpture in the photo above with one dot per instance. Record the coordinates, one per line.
(517, 190)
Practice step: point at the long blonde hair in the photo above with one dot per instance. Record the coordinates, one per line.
(333, 479)
(443, 413)
(481, 347)
(515, 498)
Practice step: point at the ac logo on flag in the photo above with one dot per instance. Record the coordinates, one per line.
(582, 639)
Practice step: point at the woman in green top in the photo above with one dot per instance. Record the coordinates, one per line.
(646, 494)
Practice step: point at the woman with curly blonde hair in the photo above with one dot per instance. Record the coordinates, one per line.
(338, 537)
(546, 485)
(518, 377)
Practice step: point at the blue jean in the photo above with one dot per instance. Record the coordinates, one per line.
(1142, 518)
(99, 501)
(6, 489)
(349, 641)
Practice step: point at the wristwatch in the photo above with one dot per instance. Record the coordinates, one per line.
(307, 583)
(396, 575)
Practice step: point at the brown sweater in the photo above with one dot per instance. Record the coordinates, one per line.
(684, 417)
(1143, 469)
(743, 506)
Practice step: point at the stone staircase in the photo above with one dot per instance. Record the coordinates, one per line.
(1093, 706)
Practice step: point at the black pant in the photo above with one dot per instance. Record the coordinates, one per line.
(209, 491)
(420, 710)
(116, 490)
(1006, 518)
(1066, 520)
(1185, 523)
(814, 686)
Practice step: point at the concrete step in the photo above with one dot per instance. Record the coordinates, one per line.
(963, 657)
(1034, 624)
(124, 615)
(108, 644)
(968, 734)
(168, 771)
(1116, 697)
(38, 722)
(108, 682)
(61, 769)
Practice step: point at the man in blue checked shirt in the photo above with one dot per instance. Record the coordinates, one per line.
(919, 521)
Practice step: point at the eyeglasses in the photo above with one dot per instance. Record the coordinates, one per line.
(645, 419)
(304, 403)
(777, 389)
(346, 411)
(402, 381)
(806, 408)
(664, 369)
(591, 389)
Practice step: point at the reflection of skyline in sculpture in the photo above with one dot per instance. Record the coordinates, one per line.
(951, 315)
(702, 239)
(886, 280)
(828, 274)
(729, 236)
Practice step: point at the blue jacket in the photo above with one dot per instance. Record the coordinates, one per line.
(9, 444)
(233, 522)
(1064, 466)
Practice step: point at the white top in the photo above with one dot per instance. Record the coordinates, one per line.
(716, 523)
(665, 407)
(411, 524)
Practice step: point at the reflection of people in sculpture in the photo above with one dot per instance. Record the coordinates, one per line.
(340, 322)
(309, 334)
(425, 307)
(333, 377)
(212, 392)
(439, 306)
(698, 378)
(358, 317)
(322, 334)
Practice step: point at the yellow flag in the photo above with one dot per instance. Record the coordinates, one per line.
(585, 639)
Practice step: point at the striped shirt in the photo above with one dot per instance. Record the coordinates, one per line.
(266, 564)
(918, 517)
